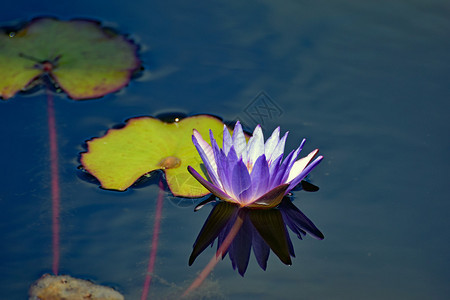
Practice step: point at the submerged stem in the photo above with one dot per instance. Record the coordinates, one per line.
(154, 245)
(54, 181)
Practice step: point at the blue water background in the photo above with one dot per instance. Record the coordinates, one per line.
(367, 82)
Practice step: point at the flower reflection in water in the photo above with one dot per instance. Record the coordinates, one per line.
(260, 229)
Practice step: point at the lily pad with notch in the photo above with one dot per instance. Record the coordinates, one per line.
(146, 144)
(80, 57)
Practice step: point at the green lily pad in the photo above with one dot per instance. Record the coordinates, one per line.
(146, 144)
(82, 58)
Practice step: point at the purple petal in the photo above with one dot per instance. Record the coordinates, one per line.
(277, 177)
(240, 180)
(304, 173)
(273, 170)
(283, 172)
(223, 168)
(279, 149)
(227, 142)
(239, 142)
(260, 177)
(272, 142)
(274, 165)
(301, 164)
(228, 165)
(209, 186)
(203, 145)
(221, 164)
(232, 157)
(255, 145)
(246, 196)
(290, 163)
(208, 159)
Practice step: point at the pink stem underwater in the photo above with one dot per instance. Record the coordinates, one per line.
(55, 192)
(216, 258)
(154, 245)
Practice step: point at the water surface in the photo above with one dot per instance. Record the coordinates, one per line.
(367, 83)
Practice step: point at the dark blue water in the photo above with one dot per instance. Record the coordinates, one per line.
(367, 83)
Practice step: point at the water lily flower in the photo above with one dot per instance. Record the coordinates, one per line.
(252, 174)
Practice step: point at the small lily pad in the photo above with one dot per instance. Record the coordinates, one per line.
(146, 144)
(82, 58)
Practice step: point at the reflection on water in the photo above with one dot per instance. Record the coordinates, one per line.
(260, 229)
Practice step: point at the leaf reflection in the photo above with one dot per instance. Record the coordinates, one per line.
(261, 229)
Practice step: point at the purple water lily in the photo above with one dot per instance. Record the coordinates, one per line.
(251, 174)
